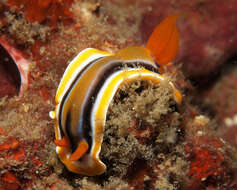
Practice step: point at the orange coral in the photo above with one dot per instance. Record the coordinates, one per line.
(19, 155)
(10, 181)
(12, 144)
(36, 161)
(53, 186)
(39, 11)
(13, 148)
(2, 132)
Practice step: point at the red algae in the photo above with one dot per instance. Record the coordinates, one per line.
(39, 11)
(4, 146)
(36, 161)
(45, 93)
(10, 181)
(206, 159)
(12, 149)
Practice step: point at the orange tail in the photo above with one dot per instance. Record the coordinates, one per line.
(164, 41)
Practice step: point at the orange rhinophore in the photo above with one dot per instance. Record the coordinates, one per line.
(164, 41)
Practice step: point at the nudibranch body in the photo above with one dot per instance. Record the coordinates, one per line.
(89, 85)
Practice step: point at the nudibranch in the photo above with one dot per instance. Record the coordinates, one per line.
(89, 85)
